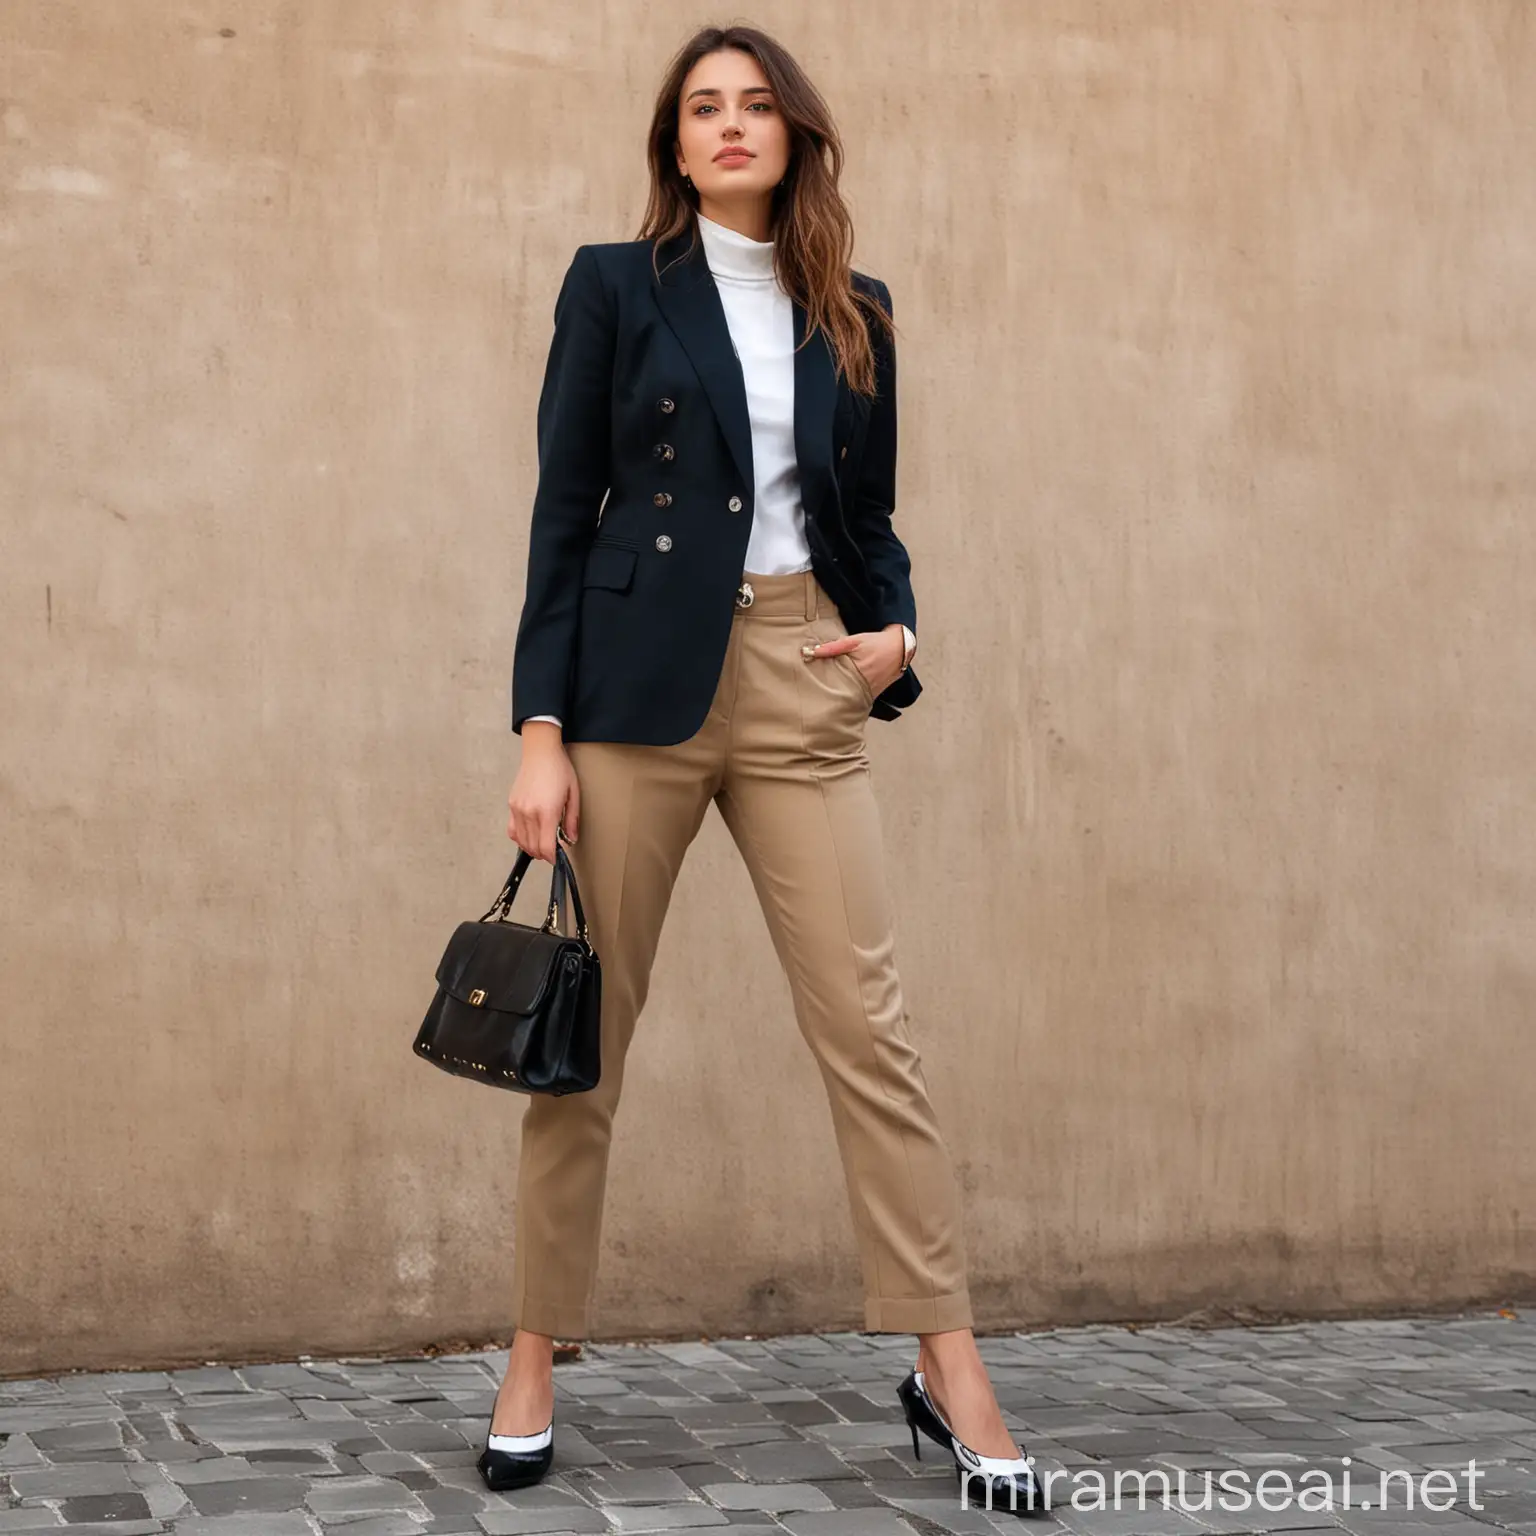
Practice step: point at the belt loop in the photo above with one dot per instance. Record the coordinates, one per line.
(810, 596)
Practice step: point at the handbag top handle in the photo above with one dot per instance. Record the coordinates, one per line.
(561, 877)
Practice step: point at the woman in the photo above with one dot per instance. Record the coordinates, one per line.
(722, 391)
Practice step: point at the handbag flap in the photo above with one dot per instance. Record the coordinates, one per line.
(502, 965)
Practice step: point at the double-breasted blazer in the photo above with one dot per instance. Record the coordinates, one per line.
(644, 499)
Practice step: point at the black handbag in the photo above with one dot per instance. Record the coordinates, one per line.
(516, 1006)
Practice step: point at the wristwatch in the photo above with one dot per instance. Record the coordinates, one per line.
(911, 650)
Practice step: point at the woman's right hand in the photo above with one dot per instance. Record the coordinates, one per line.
(545, 795)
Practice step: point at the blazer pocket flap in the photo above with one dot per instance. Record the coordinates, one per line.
(610, 565)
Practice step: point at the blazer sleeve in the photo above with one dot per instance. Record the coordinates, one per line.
(573, 477)
(874, 496)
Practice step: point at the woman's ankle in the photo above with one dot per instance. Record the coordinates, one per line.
(532, 1352)
(955, 1348)
(525, 1400)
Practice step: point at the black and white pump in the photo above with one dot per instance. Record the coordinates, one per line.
(1012, 1482)
(515, 1461)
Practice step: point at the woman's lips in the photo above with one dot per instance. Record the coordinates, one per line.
(738, 157)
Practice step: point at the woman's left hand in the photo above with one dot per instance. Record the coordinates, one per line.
(877, 653)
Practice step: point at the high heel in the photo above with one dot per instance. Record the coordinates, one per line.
(1008, 1482)
(515, 1461)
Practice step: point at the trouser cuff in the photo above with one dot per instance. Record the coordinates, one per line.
(561, 1320)
(918, 1314)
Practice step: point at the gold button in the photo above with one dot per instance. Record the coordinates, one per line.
(662, 498)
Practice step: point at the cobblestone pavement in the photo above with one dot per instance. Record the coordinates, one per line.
(802, 1434)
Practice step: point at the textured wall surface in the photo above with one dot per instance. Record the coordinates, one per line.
(1213, 836)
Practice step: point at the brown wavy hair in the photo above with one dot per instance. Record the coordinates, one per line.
(809, 222)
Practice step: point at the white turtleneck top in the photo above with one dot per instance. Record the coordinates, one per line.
(761, 320)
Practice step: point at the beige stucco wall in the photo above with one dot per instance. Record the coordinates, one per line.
(1213, 837)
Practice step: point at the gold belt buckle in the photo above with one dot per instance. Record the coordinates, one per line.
(745, 596)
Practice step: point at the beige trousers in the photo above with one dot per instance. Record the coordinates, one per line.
(782, 753)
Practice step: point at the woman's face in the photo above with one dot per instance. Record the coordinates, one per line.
(726, 104)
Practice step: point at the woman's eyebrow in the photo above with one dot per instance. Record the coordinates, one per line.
(714, 90)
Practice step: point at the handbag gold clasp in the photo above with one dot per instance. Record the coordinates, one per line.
(477, 996)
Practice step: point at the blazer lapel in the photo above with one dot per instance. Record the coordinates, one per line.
(816, 399)
(690, 302)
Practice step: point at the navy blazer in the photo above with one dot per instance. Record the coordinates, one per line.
(645, 490)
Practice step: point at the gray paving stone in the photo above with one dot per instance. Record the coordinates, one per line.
(1485, 1452)
(214, 1469)
(1127, 1522)
(787, 1462)
(1359, 1524)
(360, 1496)
(288, 1460)
(164, 1498)
(459, 1504)
(246, 1525)
(664, 1517)
(390, 1463)
(1193, 1463)
(381, 1525)
(272, 1435)
(106, 1435)
(945, 1514)
(745, 1434)
(772, 1498)
(848, 1522)
(697, 1473)
(697, 1416)
(1221, 1520)
(803, 1412)
(696, 1355)
(325, 1408)
(845, 1436)
(247, 1493)
(114, 1528)
(654, 1485)
(857, 1493)
(56, 1482)
(509, 1520)
(208, 1378)
(419, 1437)
(18, 1450)
(83, 1508)
(163, 1449)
